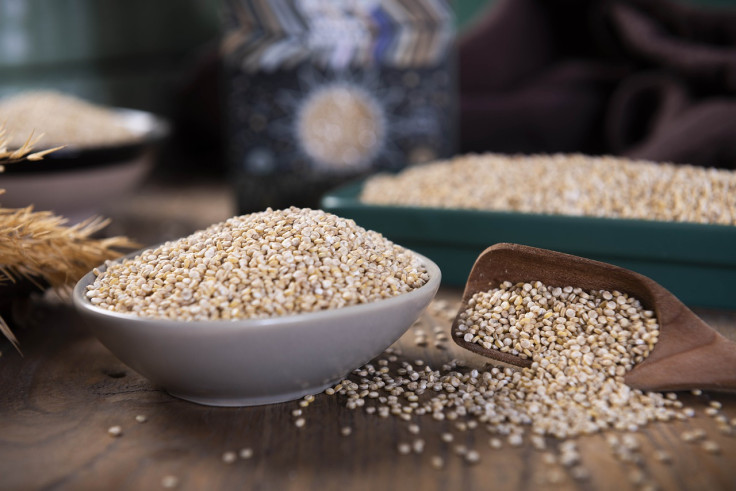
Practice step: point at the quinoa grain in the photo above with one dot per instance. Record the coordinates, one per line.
(169, 482)
(472, 457)
(711, 447)
(63, 119)
(564, 184)
(663, 456)
(115, 431)
(266, 264)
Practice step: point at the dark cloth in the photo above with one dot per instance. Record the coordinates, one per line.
(652, 79)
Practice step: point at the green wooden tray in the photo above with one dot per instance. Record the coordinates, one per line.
(696, 262)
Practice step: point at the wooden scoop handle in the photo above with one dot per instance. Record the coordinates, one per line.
(689, 353)
(709, 366)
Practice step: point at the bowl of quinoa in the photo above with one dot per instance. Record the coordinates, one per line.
(258, 309)
(106, 152)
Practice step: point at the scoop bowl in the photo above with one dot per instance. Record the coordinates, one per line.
(255, 361)
(688, 355)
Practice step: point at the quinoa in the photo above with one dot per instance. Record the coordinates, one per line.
(525, 319)
(63, 119)
(266, 264)
(564, 184)
(574, 386)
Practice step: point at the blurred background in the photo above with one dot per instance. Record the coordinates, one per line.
(232, 106)
(626, 77)
(132, 53)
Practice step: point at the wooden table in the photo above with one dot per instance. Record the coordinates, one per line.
(58, 401)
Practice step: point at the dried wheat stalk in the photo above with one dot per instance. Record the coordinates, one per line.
(40, 247)
(25, 152)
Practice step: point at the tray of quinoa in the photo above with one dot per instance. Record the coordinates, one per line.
(673, 223)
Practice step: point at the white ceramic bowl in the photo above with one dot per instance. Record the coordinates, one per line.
(260, 361)
(78, 182)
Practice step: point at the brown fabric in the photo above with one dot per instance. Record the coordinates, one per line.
(650, 79)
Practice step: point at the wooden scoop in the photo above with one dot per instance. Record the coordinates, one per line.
(689, 354)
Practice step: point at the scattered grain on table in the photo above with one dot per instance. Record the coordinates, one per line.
(418, 445)
(461, 450)
(692, 436)
(472, 457)
(533, 405)
(663, 456)
(169, 481)
(711, 446)
(580, 473)
(115, 431)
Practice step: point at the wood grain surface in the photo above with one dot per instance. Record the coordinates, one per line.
(58, 401)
